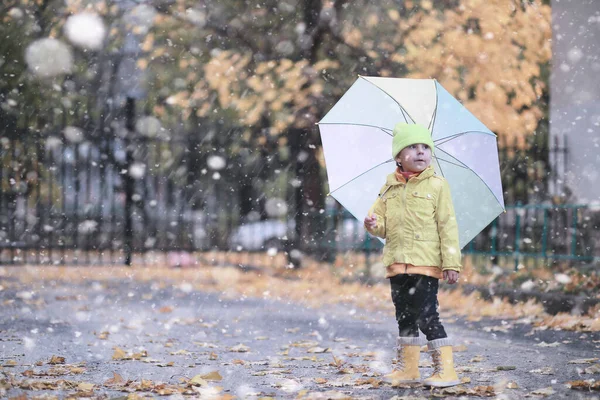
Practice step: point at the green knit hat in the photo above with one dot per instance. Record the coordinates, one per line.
(409, 134)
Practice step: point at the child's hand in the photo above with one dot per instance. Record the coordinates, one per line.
(371, 221)
(451, 276)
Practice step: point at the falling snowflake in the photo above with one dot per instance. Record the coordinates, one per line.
(73, 134)
(276, 207)
(86, 30)
(216, 163)
(49, 57)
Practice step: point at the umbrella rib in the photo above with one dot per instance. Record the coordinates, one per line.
(449, 138)
(396, 101)
(432, 122)
(450, 162)
(470, 169)
(358, 176)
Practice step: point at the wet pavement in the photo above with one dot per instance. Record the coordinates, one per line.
(121, 336)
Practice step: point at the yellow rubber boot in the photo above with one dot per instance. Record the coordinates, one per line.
(407, 367)
(443, 364)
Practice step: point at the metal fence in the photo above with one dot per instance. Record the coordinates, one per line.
(98, 200)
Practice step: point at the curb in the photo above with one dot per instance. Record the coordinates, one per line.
(553, 302)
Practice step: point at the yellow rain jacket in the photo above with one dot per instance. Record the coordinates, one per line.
(417, 220)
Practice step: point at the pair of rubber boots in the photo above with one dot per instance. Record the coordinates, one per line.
(409, 349)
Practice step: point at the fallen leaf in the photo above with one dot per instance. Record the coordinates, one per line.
(583, 361)
(212, 376)
(119, 354)
(543, 371)
(594, 369)
(168, 364)
(512, 385)
(213, 356)
(240, 348)
(544, 392)
(320, 381)
(56, 360)
(317, 350)
(85, 387)
(198, 381)
(180, 353)
(10, 363)
(477, 358)
(584, 385)
(115, 380)
(337, 362)
(465, 379)
(261, 338)
(165, 309)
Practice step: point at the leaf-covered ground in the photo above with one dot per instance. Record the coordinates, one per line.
(225, 332)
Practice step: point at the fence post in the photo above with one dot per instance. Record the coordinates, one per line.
(129, 182)
(517, 235)
(574, 233)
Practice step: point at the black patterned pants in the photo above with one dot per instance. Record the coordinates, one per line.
(415, 299)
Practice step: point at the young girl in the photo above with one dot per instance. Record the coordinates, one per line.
(415, 215)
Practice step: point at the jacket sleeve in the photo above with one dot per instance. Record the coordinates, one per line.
(448, 230)
(378, 209)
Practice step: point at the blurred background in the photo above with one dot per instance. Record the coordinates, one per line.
(183, 132)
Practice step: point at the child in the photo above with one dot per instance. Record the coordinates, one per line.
(414, 213)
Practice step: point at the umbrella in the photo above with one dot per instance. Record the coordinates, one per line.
(357, 141)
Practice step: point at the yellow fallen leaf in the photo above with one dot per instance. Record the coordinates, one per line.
(212, 376)
(56, 360)
(512, 385)
(544, 392)
(119, 354)
(213, 356)
(115, 380)
(85, 387)
(583, 361)
(465, 379)
(337, 362)
(103, 335)
(320, 380)
(10, 363)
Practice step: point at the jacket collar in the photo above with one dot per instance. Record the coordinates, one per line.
(428, 172)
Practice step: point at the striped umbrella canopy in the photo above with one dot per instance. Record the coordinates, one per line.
(357, 143)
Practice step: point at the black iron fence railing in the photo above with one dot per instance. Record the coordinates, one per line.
(69, 200)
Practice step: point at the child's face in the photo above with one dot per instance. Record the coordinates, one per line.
(415, 158)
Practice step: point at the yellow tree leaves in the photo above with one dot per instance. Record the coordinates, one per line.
(277, 89)
(492, 49)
